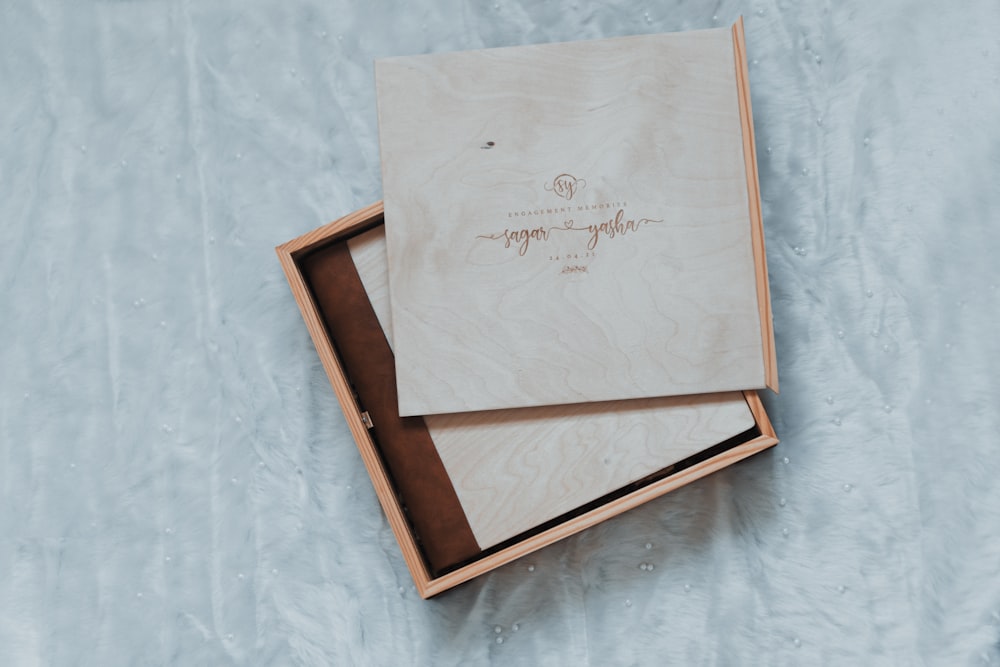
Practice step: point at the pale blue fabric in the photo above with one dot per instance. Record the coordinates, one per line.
(177, 485)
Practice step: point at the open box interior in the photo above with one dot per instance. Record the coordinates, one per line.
(411, 480)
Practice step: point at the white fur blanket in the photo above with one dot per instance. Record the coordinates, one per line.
(177, 485)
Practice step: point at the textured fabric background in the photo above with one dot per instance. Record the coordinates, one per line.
(177, 484)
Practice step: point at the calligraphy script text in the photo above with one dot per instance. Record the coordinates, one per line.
(617, 226)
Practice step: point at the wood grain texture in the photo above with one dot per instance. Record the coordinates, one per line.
(368, 253)
(515, 469)
(569, 223)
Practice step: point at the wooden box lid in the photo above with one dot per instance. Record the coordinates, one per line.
(574, 222)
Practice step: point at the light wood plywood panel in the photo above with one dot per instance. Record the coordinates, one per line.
(368, 252)
(569, 223)
(513, 472)
(516, 469)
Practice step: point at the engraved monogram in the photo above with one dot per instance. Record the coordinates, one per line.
(566, 185)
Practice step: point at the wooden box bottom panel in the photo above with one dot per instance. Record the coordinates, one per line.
(446, 529)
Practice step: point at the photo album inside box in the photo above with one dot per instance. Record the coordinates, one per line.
(562, 311)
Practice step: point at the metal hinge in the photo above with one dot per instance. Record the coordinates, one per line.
(366, 419)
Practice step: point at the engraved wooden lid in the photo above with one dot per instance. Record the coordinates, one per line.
(574, 222)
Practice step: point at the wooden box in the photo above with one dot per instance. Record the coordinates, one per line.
(510, 447)
(413, 486)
